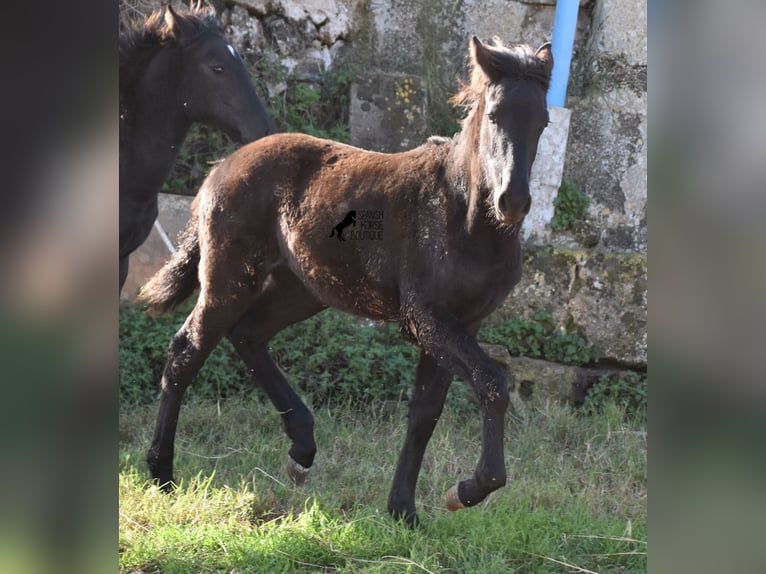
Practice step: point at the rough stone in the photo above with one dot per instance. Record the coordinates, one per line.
(304, 35)
(606, 155)
(387, 112)
(607, 159)
(619, 27)
(601, 295)
(499, 18)
(245, 32)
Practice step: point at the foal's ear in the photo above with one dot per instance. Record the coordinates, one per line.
(545, 54)
(482, 56)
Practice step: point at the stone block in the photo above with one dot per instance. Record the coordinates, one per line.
(145, 261)
(387, 112)
(534, 381)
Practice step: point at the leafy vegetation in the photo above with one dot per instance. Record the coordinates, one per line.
(627, 389)
(539, 339)
(203, 147)
(331, 357)
(319, 109)
(337, 357)
(570, 206)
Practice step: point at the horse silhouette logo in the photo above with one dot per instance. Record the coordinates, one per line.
(350, 219)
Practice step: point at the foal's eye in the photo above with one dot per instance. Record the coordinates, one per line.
(492, 116)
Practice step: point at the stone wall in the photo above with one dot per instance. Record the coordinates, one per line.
(410, 55)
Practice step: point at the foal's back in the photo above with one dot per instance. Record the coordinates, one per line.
(287, 192)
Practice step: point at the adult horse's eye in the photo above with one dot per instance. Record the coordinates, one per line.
(492, 116)
(217, 69)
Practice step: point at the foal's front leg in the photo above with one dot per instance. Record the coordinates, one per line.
(423, 411)
(456, 351)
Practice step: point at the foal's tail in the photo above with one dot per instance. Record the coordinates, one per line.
(178, 278)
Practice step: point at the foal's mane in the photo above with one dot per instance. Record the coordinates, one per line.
(143, 40)
(516, 62)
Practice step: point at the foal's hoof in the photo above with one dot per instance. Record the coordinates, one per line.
(296, 471)
(453, 500)
(166, 487)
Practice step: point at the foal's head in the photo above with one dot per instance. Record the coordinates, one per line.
(508, 115)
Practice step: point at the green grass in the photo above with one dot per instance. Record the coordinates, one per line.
(575, 499)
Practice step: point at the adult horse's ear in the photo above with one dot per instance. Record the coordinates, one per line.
(545, 54)
(170, 17)
(482, 56)
(175, 25)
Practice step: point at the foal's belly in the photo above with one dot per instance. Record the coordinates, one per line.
(351, 275)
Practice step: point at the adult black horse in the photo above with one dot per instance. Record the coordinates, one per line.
(258, 247)
(175, 69)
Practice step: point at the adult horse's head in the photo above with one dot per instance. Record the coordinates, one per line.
(508, 115)
(214, 86)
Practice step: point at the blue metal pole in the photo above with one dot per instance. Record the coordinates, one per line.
(564, 25)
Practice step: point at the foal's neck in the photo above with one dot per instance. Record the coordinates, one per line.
(466, 178)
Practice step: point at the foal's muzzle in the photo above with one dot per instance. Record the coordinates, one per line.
(512, 208)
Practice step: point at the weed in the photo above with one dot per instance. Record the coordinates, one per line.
(331, 357)
(539, 339)
(318, 108)
(570, 206)
(627, 389)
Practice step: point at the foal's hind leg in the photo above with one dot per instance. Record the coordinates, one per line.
(284, 301)
(424, 409)
(203, 329)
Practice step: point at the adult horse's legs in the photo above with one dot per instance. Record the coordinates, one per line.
(123, 271)
(283, 302)
(455, 350)
(424, 409)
